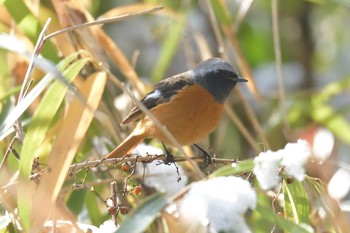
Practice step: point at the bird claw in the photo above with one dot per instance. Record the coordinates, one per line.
(169, 158)
(206, 157)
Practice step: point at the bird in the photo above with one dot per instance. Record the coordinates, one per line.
(189, 105)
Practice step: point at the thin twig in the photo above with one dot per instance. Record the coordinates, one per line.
(77, 167)
(216, 29)
(7, 153)
(114, 198)
(28, 87)
(254, 121)
(89, 185)
(36, 52)
(102, 21)
(278, 57)
(18, 124)
(243, 64)
(131, 158)
(232, 115)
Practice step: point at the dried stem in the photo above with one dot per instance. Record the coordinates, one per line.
(216, 29)
(114, 198)
(75, 168)
(278, 57)
(102, 21)
(254, 121)
(18, 124)
(8, 151)
(243, 64)
(250, 139)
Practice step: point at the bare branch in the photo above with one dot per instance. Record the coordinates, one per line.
(102, 21)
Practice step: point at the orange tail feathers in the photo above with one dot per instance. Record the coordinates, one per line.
(127, 145)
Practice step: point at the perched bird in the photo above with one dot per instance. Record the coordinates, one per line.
(189, 105)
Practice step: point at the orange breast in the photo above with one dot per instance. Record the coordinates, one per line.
(190, 116)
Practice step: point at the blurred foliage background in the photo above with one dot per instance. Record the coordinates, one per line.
(299, 81)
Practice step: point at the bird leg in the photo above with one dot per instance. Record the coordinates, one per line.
(169, 157)
(170, 160)
(206, 157)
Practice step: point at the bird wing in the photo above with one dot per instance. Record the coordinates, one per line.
(162, 93)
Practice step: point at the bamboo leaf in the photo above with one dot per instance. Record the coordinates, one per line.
(144, 215)
(52, 71)
(36, 134)
(332, 119)
(268, 217)
(168, 50)
(239, 168)
(69, 137)
(93, 207)
(76, 201)
(296, 205)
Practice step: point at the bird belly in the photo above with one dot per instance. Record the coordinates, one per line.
(189, 116)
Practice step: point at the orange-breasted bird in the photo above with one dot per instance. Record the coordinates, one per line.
(189, 105)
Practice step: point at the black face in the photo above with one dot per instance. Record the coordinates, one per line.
(217, 76)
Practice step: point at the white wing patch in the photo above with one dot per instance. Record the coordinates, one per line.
(154, 95)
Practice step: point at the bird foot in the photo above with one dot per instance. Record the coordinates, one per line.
(206, 157)
(169, 159)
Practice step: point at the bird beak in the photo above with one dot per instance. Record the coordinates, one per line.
(239, 79)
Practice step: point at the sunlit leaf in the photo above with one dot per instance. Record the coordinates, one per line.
(238, 168)
(36, 132)
(323, 113)
(52, 72)
(335, 219)
(297, 206)
(332, 119)
(69, 137)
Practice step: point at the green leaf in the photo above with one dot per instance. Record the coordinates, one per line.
(169, 48)
(5, 109)
(220, 12)
(143, 215)
(296, 201)
(316, 185)
(325, 114)
(335, 219)
(331, 119)
(12, 91)
(52, 72)
(36, 133)
(76, 201)
(333, 89)
(268, 217)
(241, 167)
(30, 25)
(92, 204)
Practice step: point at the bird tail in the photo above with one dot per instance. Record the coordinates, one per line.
(127, 145)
